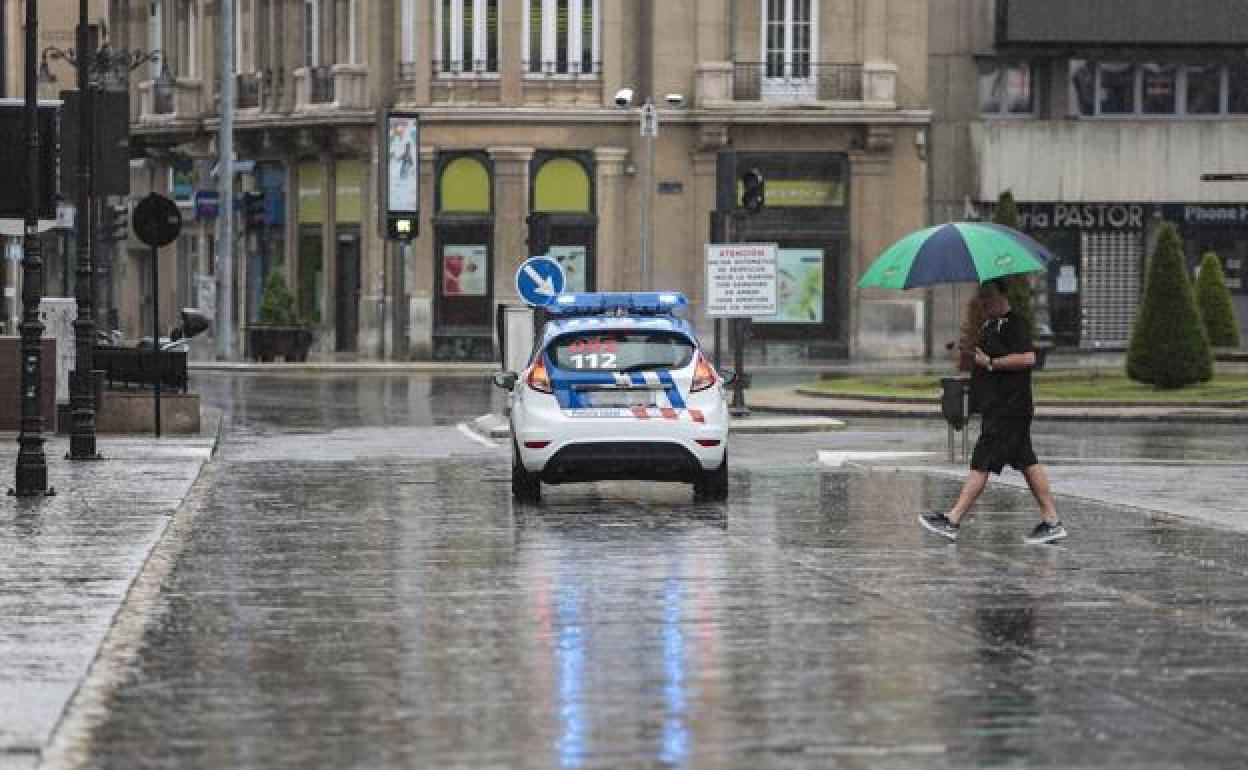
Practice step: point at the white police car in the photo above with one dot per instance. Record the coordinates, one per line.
(618, 389)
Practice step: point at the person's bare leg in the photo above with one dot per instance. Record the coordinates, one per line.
(1038, 482)
(971, 490)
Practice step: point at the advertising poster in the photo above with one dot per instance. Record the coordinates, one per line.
(403, 166)
(572, 260)
(799, 287)
(464, 270)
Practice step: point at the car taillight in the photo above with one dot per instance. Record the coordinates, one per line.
(537, 379)
(703, 376)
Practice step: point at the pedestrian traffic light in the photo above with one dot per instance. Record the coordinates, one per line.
(754, 192)
(253, 210)
(401, 227)
(116, 223)
(539, 234)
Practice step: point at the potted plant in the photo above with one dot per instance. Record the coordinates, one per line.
(278, 331)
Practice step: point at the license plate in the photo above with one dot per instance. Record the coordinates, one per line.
(621, 398)
(598, 412)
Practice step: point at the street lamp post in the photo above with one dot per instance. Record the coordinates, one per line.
(32, 464)
(105, 63)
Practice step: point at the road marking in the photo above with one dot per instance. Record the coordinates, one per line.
(838, 459)
(477, 437)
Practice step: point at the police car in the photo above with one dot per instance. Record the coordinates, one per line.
(618, 388)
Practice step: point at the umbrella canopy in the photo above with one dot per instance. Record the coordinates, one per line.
(959, 252)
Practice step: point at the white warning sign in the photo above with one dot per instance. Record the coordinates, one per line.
(740, 279)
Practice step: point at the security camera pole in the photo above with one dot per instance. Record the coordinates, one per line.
(649, 130)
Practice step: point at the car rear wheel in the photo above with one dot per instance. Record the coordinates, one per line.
(712, 486)
(525, 487)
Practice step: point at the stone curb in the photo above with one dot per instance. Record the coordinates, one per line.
(788, 401)
(1076, 404)
(468, 368)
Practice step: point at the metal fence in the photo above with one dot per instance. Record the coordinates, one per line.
(797, 81)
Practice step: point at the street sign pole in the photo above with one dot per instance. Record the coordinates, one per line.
(157, 222)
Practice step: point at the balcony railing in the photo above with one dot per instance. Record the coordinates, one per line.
(162, 97)
(797, 81)
(322, 83)
(247, 87)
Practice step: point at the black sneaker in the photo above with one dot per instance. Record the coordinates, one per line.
(1045, 533)
(940, 524)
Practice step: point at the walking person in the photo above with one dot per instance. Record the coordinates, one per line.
(1003, 359)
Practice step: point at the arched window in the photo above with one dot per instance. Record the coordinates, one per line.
(465, 187)
(562, 185)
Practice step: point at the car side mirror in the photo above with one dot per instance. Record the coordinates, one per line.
(728, 376)
(505, 380)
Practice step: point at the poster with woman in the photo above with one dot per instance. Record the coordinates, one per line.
(464, 270)
(403, 188)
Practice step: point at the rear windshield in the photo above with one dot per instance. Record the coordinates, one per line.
(622, 350)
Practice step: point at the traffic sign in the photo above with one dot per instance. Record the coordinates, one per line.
(539, 280)
(157, 221)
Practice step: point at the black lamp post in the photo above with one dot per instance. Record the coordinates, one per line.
(32, 463)
(105, 64)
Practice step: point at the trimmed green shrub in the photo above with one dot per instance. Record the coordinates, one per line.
(1006, 213)
(277, 304)
(1213, 300)
(1168, 347)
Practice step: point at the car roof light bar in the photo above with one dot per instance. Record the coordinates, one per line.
(670, 303)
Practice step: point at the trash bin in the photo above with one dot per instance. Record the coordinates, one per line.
(954, 399)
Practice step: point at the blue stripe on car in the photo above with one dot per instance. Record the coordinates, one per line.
(673, 392)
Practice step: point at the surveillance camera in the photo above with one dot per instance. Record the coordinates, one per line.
(675, 100)
(623, 97)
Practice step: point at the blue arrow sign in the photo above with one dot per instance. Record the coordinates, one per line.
(539, 280)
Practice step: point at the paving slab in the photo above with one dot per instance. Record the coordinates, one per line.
(67, 562)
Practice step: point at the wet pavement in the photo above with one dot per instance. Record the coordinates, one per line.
(354, 588)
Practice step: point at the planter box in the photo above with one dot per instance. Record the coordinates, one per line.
(132, 411)
(268, 343)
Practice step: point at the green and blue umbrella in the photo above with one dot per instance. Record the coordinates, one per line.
(958, 252)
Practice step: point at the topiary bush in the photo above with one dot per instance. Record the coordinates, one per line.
(1169, 348)
(1006, 213)
(277, 304)
(1213, 300)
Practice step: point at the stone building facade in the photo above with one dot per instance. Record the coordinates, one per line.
(516, 101)
(1101, 120)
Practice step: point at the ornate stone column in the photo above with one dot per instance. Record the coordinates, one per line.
(511, 205)
(610, 183)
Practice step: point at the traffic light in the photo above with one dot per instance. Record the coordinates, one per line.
(116, 223)
(253, 210)
(401, 228)
(539, 234)
(754, 192)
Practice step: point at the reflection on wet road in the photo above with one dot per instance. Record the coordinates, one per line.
(370, 597)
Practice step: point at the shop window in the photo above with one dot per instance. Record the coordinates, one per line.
(562, 185)
(1160, 88)
(1204, 90)
(1006, 88)
(465, 187)
(1237, 89)
(1117, 88)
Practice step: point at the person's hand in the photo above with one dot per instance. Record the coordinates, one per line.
(982, 358)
